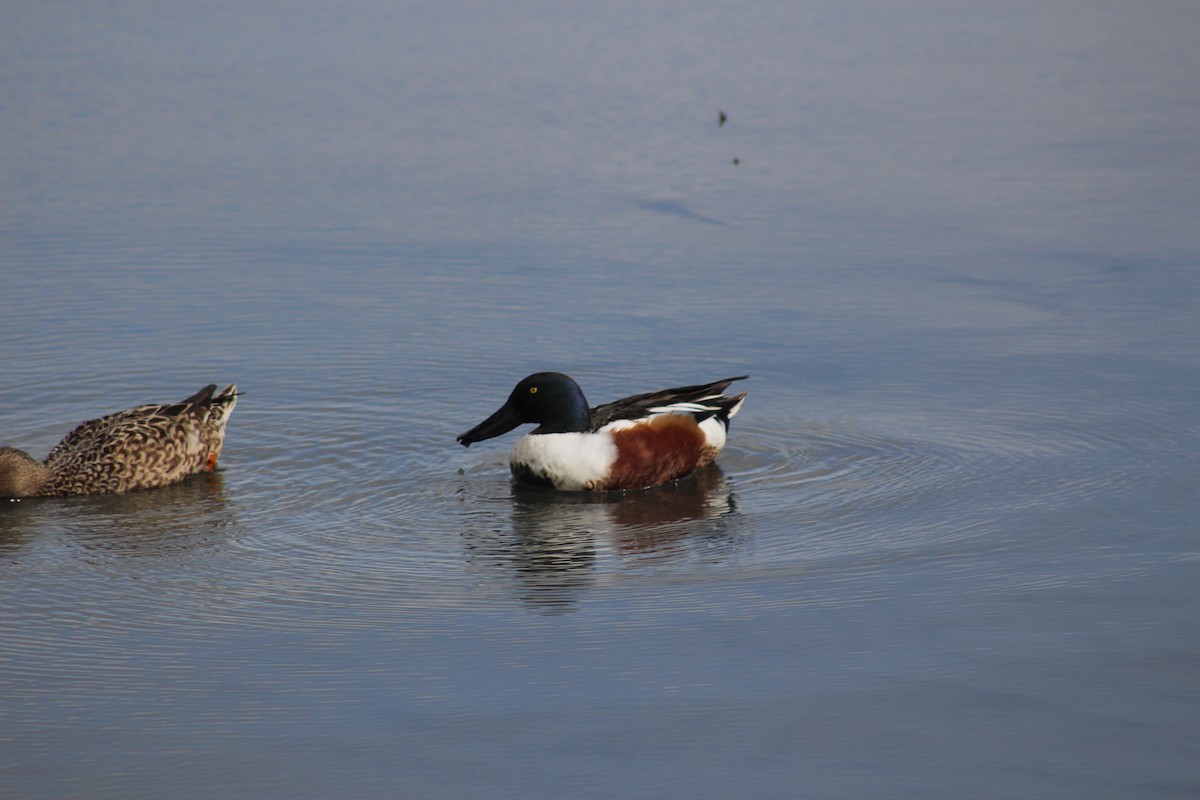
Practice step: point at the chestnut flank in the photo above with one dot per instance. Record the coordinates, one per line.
(660, 449)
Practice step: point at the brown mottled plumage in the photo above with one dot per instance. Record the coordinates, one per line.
(141, 448)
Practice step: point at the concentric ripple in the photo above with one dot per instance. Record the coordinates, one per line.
(353, 520)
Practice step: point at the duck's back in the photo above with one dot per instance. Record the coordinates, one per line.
(142, 448)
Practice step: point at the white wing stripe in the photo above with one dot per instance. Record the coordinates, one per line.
(682, 408)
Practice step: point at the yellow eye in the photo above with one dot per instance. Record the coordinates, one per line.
(533, 390)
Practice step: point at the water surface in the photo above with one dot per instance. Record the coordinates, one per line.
(950, 550)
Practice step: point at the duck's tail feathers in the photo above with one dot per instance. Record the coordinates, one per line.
(202, 396)
(222, 404)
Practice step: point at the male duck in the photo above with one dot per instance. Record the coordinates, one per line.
(142, 448)
(633, 443)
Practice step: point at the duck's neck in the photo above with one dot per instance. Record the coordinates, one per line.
(20, 475)
(567, 420)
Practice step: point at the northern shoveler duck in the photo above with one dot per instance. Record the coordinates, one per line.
(141, 448)
(633, 443)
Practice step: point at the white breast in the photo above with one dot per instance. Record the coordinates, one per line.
(571, 461)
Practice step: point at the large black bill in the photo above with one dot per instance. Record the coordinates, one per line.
(503, 421)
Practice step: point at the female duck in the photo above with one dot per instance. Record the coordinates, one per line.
(141, 448)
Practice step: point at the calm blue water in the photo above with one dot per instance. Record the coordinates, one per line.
(950, 551)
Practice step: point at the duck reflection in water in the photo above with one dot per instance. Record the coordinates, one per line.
(187, 516)
(561, 543)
